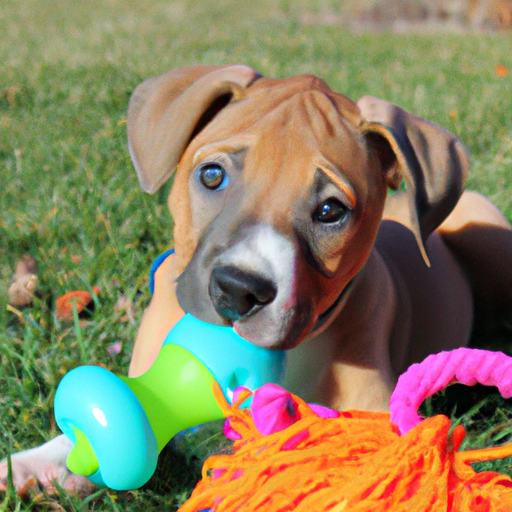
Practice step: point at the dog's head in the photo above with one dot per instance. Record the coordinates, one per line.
(280, 189)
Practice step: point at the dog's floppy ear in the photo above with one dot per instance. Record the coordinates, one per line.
(167, 111)
(432, 162)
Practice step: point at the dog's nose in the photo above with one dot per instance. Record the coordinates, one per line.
(236, 293)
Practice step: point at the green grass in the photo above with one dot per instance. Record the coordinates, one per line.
(69, 195)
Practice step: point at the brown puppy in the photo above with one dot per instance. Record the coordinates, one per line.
(278, 203)
(283, 229)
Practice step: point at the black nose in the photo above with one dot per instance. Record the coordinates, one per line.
(236, 293)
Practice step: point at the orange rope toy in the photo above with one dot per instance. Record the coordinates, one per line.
(291, 456)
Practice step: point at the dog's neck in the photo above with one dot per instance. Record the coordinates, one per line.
(325, 319)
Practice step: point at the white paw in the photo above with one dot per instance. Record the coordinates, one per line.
(42, 467)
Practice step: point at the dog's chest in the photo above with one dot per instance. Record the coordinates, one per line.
(307, 366)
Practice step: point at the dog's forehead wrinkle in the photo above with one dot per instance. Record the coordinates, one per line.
(309, 127)
(320, 110)
(283, 108)
(322, 114)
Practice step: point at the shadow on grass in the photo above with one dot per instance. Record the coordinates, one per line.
(484, 413)
(180, 463)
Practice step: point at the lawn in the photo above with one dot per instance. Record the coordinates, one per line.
(70, 198)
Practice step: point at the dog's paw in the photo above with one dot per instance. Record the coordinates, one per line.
(42, 468)
(27, 478)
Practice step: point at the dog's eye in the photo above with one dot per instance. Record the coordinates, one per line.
(213, 177)
(330, 211)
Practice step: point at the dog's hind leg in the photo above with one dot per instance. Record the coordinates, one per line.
(480, 237)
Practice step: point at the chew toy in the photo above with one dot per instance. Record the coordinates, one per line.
(293, 456)
(119, 425)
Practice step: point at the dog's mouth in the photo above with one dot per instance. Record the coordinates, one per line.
(299, 331)
(296, 326)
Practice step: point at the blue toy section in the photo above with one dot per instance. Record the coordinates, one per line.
(101, 405)
(231, 360)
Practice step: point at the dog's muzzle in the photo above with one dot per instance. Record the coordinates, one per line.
(237, 294)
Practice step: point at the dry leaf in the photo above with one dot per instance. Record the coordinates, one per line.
(81, 299)
(23, 285)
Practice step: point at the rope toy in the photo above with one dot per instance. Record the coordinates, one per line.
(293, 456)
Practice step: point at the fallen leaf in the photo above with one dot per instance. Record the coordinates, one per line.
(23, 285)
(79, 298)
(501, 70)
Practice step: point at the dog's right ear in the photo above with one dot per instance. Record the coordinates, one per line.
(167, 111)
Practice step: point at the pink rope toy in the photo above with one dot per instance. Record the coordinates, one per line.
(467, 366)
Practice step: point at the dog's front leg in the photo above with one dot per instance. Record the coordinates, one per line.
(42, 467)
(159, 318)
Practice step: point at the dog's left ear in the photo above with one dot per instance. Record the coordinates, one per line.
(167, 111)
(431, 161)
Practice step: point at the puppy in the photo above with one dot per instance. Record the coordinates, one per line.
(284, 229)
